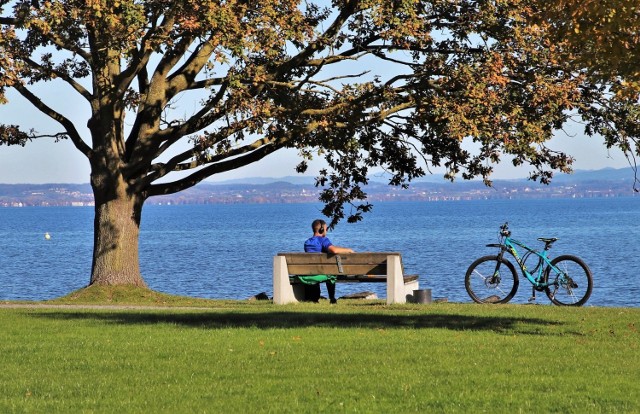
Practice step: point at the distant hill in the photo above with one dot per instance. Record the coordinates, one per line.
(292, 179)
(606, 174)
(297, 189)
(45, 195)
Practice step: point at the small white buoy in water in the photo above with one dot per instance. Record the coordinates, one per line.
(47, 236)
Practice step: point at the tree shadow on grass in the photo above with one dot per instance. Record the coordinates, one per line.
(287, 320)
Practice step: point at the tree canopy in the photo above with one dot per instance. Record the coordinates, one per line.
(403, 85)
(601, 35)
(601, 38)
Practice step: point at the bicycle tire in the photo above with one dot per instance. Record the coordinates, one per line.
(571, 287)
(485, 287)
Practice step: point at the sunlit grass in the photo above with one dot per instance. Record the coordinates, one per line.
(133, 296)
(240, 356)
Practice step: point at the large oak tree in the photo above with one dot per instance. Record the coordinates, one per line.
(405, 85)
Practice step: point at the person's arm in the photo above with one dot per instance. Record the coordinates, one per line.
(339, 250)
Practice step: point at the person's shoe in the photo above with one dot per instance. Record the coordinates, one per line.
(333, 301)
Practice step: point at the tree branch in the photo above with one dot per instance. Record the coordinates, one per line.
(183, 78)
(177, 163)
(56, 116)
(205, 116)
(296, 61)
(71, 81)
(227, 165)
(138, 66)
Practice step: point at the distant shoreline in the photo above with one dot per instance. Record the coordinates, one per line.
(583, 184)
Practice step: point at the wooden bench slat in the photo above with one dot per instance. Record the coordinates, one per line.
(347, 269)
(325, 258)
(365, 263)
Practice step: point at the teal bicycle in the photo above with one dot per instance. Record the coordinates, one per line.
(566, 280)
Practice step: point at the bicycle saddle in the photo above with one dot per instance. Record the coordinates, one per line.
(548, 240)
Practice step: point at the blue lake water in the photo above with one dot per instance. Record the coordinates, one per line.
(226, 251)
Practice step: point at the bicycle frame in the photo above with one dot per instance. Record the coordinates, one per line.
(565, 279)
(509, 244)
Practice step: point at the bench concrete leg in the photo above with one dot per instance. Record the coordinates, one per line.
(282, 289)
(409, 288)
(395, 281)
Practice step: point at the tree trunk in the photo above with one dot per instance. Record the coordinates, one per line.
(116, 234)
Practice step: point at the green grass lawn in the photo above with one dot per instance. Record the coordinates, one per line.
(238, 356)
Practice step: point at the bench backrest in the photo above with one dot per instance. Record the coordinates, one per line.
(338, 264)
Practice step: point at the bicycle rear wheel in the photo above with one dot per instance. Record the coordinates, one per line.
(491, 280)
(571, 285)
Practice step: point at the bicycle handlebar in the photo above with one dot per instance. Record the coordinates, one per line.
(504, 230)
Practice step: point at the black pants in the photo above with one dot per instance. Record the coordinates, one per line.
(312, 292)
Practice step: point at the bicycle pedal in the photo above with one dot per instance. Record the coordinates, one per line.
(532, 299)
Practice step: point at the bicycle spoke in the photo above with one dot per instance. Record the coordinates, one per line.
(570, 281)
(489, 282)
(486, 284)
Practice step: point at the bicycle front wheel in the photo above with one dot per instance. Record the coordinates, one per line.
(570, 281)
(491, 279)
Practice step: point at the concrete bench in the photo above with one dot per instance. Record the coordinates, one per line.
(350, 267)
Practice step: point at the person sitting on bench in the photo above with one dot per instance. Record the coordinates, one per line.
(320, 243)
